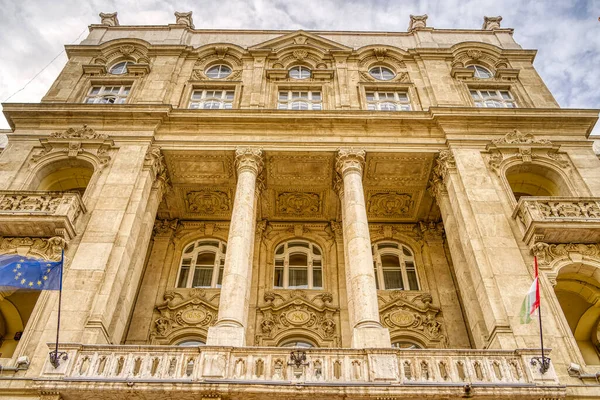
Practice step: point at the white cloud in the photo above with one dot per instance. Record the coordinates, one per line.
(567, 34)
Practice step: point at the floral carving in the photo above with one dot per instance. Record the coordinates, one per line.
(80, 133)
(165, 227)
(548, 253)
(296, 312)
(249, 158)
(300, 54)
(179, 311)
(569, 209)
(393, 204)
(517, 137)
(208, 201)
(474, 54)
(298, 203)
(48, 248)
(412, 314)
(46, 203)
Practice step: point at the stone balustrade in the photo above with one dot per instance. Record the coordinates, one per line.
(269, 364)
(559, 219)
(39, 213)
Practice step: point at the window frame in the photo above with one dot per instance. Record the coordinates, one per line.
(105, 84)
(218, 66)
(499, 98)
(396, 101)
(290, 101)
(197, 249)
(301, 69)
(409, 88)
(476, 72)
(381, 67)
(311, 257)
(125, 71)
(222, 101)
(402, 259)
(191, 86)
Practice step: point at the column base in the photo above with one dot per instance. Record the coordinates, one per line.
(226, 336)
(371, 337)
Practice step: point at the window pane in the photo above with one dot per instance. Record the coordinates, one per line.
(376, 279)
(278, 281)
(283, 95)
(406, 251)
(183, 276)
(387, 245)
(316, 250)
(298, 244)
(205, 258)
(370, 96)
(390, 261)
(298, 259)
(220, 278)
(280, 249)
(413, 284)
(202, 277)
(298, 278)
(392, 279)
(95, 90)
(317, 278)
(316, 96)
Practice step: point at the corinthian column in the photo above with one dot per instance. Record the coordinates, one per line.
(230, 329)
(360, 279)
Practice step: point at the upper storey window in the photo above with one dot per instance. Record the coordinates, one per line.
(298, 265)
(300, 100)
(394, 267)
(202, 264)
(493, 98)
(382, 73)
(108, 94)
(480, 72)
(218, 71)
(300, 72)
(388, 101)
(212, 99)
(119, 68)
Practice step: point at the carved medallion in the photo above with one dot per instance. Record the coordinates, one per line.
(298, 203)
(208, 201)
(193, 316)
(402, 318)
(393, 204)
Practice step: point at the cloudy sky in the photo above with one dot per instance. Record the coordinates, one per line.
(566, 32)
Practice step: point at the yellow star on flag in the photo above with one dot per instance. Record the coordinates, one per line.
(39, 283)
(30, 284)
(23, 281)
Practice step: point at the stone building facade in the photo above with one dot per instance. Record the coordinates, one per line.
(293, 214)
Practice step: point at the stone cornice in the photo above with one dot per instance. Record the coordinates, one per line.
(452, 123)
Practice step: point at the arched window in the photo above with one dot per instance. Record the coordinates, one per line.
(191, 343)
(202, 264)
(577, 290)
(394, 267)
(119, 68)
(536, 180)
(218, 71)
(71, 175)
(298, 265)
(480, 72)
(406, 345)
(299, 72)
(382, 73)
(302, 343)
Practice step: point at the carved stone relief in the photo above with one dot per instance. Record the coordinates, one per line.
(50, 249)
(295, 203)
(411, 315)
(209, 202)
(295, 313)
(182, 310)
(548, 253)
(390, 204)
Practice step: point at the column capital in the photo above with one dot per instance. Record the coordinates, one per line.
(350, 160)
(249, 159)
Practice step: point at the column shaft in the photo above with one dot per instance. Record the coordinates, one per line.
(230, 329)
(360, 278)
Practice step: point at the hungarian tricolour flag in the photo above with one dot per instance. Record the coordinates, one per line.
(532, 300)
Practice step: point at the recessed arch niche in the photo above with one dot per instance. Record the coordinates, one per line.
(536, 180)
(68, 175)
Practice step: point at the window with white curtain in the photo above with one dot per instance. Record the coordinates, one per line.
(202, 264)
(394, 265)
(298, 265)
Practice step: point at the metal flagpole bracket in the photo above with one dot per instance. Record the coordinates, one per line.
(543, 361)
(56, 356)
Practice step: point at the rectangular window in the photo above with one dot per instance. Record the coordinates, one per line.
(300, 100)
(202, 277)
(108, 94)
(298, 278)
(212, 99)
(388, 101)
(493, 98)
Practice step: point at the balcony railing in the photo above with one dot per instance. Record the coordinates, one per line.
(328, 368)
(559, 219)
(37, 213)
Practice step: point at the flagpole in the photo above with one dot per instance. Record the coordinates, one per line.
(545, 361)
(55, 355)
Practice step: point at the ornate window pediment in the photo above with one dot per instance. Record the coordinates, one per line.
(82, 142)
(184, 313)
(135, 51)
(516, 146)
(223, 54)
(383, 57)
(296, 315)
(412, 316)
(488, 56)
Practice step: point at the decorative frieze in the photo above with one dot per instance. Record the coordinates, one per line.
(517, 137)
(390, 204)
(295, 313)
(80, 133)
(209, 202)
(300, 204)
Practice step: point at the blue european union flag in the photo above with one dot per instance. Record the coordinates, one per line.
(30, 273)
